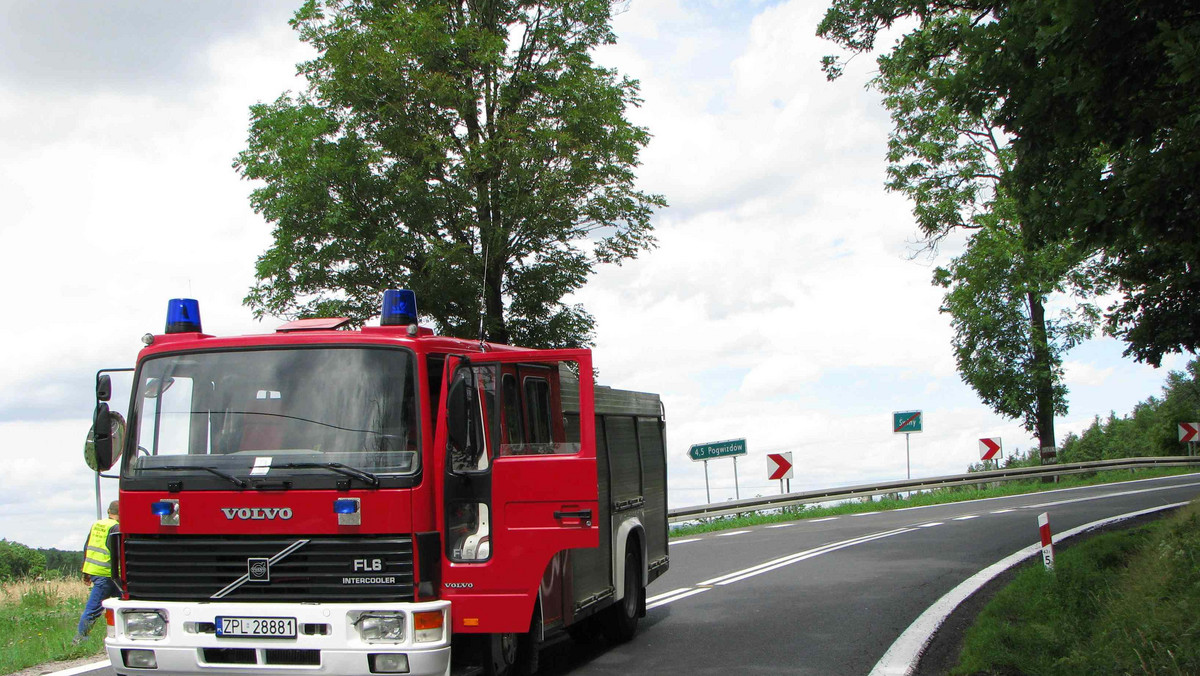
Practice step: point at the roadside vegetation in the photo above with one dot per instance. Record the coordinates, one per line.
(1119, 603)
(938, 496)
(37, 622)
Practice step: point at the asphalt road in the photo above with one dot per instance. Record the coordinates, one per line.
(830, 596)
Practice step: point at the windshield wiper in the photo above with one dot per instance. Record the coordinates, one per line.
(228, 477)
(344, 470)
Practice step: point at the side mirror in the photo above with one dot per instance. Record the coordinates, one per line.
(104, 440)
(103, 387)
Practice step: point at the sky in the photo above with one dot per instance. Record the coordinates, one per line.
(786, 302)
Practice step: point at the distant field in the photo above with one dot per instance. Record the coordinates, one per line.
(38, 620)
(934, 497)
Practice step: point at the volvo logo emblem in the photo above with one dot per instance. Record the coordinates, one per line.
(257, 513)
(259, 570)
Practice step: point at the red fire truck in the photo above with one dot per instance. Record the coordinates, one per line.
(373, 501)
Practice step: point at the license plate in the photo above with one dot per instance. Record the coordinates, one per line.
(256, 627)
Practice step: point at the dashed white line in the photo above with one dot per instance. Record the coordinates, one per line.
(967, 517)
(684, 542)
(931, 524)
(864, 513)
(781, 525)
(828, 518)
(1004, 511)
(732, 532)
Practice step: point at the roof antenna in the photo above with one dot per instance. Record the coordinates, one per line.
(483, 297)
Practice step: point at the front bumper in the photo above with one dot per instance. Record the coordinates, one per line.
(327, 640)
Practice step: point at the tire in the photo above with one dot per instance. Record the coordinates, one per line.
(499, 654)
(622, 620)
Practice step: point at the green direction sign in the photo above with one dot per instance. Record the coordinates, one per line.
(717, 449)
(906, 421)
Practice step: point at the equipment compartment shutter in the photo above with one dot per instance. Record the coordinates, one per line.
(593, 567)
(623, 458)
(650, 436)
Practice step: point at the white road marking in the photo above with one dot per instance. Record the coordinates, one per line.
(902, 657)
(687, 593)
(828, 518)
(684, 542)
(931, 524)
(1110, 495)
(673, 592)
(1004, 511)
(781, 525)
(83, 668)
(864, 513)
(799, 556)
(967, 517)
(732, 532)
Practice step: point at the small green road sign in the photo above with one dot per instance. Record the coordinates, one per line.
(906, 421)
(717, 449)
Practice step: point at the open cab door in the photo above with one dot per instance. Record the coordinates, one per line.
(518, 480)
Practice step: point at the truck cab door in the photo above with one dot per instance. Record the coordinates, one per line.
(509, 505)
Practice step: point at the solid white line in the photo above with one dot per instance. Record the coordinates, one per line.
(732, 532)
(673, 592)
(967, 517)
(797, 559)
(1110, 495)
(684, 542)
(805, 554)
(83, 668)
(664, 602)
(781, 525)
(902, 657)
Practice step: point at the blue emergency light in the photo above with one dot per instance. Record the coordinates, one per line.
(162, 508)
(183, 315)
(399, 308)
(345, 506)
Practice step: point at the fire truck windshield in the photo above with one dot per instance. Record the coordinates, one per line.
(263, 413)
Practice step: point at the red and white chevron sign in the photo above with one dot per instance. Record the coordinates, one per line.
(989, 448)
(779, 466)
(1189, 432)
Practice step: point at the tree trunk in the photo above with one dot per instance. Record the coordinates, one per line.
(1042, 375)
(493, 302)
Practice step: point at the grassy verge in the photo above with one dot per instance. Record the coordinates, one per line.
(38, 620)
(935, 497)
(1119, 603)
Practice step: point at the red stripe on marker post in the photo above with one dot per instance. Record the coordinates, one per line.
(1047, 540)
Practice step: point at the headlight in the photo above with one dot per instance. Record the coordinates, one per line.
(144, 624)
(380, 627)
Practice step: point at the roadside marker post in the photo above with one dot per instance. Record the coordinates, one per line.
(1047, 541)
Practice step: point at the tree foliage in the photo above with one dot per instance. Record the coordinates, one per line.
(949, 155)
(1101, 101)
(19, 561)
(470, 150)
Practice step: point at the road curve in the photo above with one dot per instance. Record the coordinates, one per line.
(830, 596)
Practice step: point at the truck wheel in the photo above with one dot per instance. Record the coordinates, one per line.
(623, 617)
(500, 654)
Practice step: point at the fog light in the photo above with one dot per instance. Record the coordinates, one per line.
(144, 624)
(388, 663)
(381, 627)
(139, 659)
(428, 626)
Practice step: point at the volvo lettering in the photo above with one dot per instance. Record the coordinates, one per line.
(325, 499)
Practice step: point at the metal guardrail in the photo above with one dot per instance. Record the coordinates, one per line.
(865, 490)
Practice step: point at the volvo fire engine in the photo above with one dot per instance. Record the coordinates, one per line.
(382, 500)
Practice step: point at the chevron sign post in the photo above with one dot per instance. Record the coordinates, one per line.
(989, 449)
(1189, 433)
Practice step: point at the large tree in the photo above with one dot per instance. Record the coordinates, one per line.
(470, 150)
(1101, 99)
(948, 154)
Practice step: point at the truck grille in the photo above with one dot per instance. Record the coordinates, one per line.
(181, 568)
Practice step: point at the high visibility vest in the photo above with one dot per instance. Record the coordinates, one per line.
(97, 560)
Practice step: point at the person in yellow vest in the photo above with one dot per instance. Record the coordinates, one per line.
(98, 569)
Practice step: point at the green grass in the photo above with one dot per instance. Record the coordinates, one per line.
(935, 497)
(37, 623)
(1120, 603)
